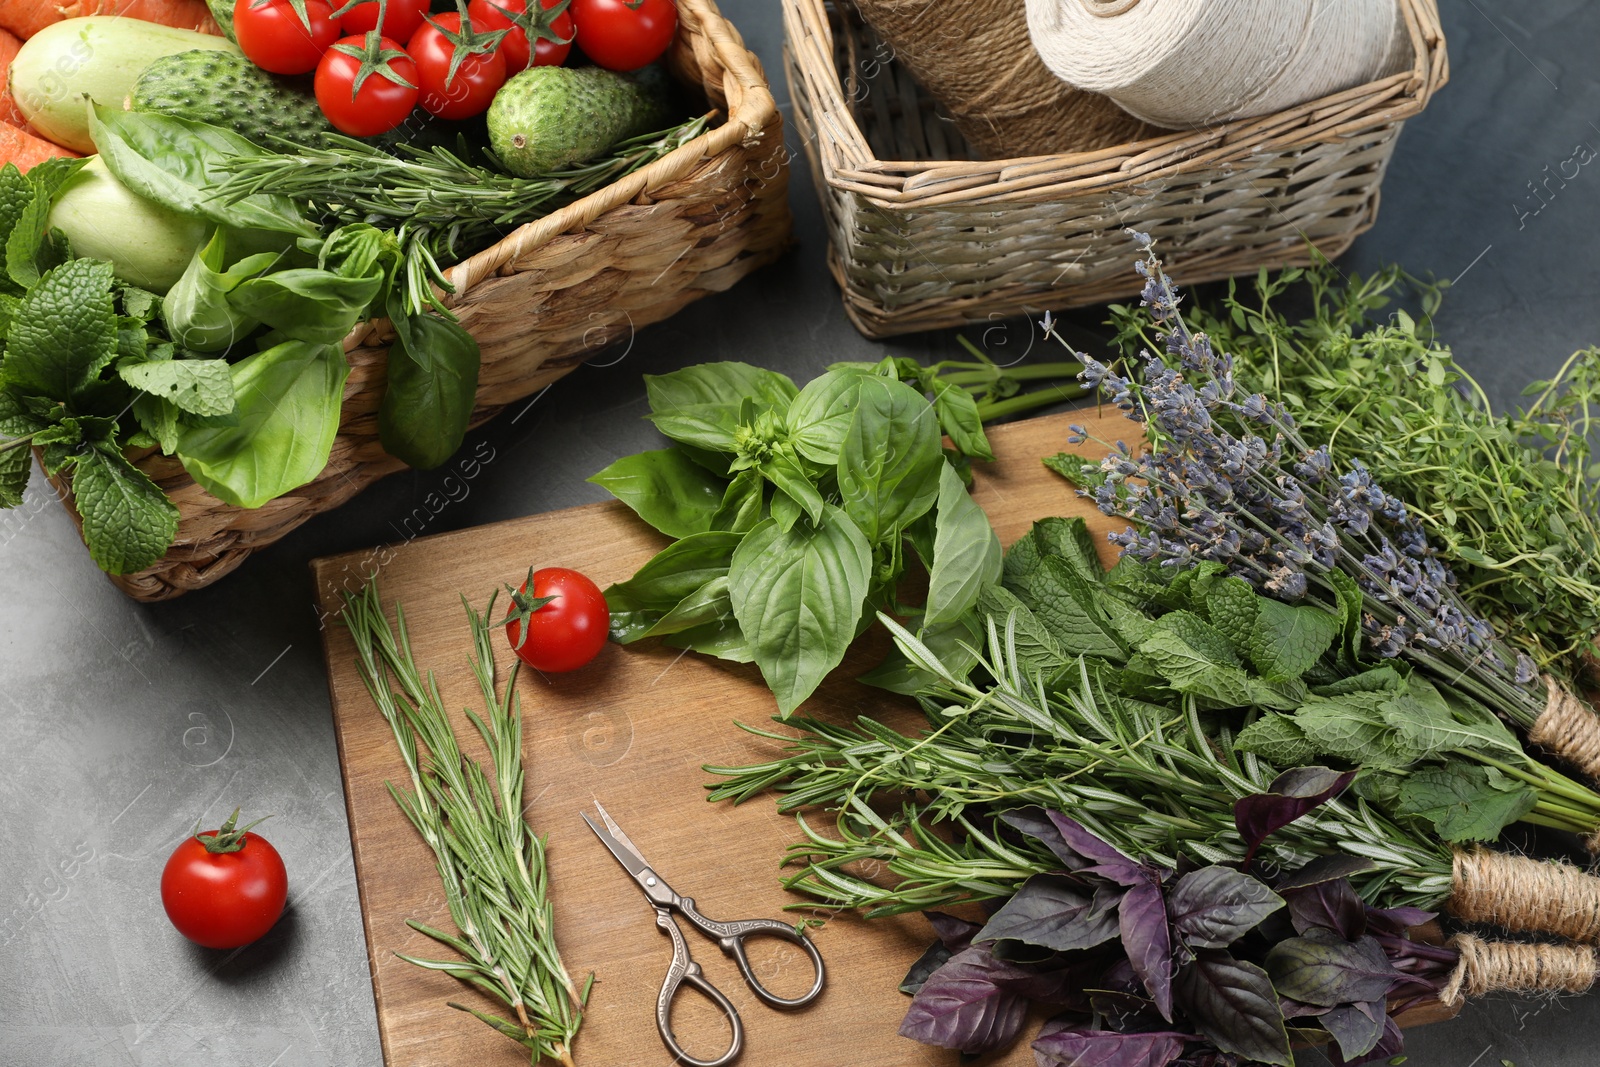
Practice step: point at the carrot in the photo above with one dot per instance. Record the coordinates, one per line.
(8, 106)
(26, 150)
(27, 17)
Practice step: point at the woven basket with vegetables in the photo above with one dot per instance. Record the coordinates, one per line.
(926, 232)
(277, 283)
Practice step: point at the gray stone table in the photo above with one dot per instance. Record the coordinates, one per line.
(120, 724)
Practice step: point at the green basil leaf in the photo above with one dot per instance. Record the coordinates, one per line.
(65, 331)
(820, 417)
(890, 461)
(128, 522)
(742, 501)
(432, 388)
(679, 570)
(308, 304)
(724, 641)
(958, 417)
(180, 163)
(197, 310)
(785, 512)
(707, 606)
(966, 553)
(672, 492)
(198, 386)
(287, 402)
(784, 470)
(700, 405)
(798, 597)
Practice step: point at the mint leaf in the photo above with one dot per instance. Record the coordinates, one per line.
(1068, 466)
(128, 523)
(1277, 739)
(159, 419)
(1036, 651)
(1070, 540)
(16, 194)
(1348, 594)
(16, 464)
(1231, 606)
(65, 331)
(1465, 802)
(966, 552)
(1355, 728)
(1432, 726)
(198, 386)
(1285, 641)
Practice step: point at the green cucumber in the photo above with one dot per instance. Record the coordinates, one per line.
(227, 90)
(547, 118)
(100, 58)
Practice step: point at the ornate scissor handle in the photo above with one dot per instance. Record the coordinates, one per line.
(731, 937)
(684, 971)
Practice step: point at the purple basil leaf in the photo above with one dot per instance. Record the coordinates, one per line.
(1389, 1045)
(935, 956)
(1086, 844)
(1291, 795)
(1323, 968)
(1215, 906)
(1234, 1005)
(956, 934)
(960, 1006)
(1327, 906)
(1398, 920)
(1293, 1009)
(1356, 1027)
(1119, 978)
(1061, 985)
(1107, 1048)
(1326, 869)
(1036, 824)
(1126, 1013)
(1049, 912)
(1142, 921)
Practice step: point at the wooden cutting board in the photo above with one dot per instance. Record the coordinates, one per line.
(633, 730)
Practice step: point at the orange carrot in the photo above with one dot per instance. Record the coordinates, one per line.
(24, 149)
(8, 106)
(27, 17)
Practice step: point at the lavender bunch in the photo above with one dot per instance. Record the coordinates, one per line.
(1228, 478)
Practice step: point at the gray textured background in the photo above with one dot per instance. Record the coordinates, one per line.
(121, 724)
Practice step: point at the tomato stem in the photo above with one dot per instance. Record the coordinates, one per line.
(226, 839)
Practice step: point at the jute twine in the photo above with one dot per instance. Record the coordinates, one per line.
(1569, 728)
(1517, 893)
(975, 58)
(1194, 63)
(1512, 967)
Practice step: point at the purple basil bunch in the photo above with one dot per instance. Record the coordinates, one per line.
(1228, 478)
(1197, 967)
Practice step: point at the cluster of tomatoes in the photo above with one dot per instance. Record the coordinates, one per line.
(377, 60)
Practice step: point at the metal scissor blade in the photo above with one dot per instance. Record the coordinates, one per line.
(617, 841)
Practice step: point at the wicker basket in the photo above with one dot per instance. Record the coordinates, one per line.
(541, 301)
(923, 237)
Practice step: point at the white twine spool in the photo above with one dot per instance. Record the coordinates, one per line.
(1192, 63)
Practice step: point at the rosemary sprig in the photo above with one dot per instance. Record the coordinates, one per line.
(492, 865)
(442, 207)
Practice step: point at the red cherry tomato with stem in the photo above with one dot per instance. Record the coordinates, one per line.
(401, 18)
(549, 26)
(271, 35)
(623, 35)
(225, 888)
(366, 85)
(566, 617)
(459, 68)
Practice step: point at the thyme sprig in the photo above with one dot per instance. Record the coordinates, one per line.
(442, 206)
(491, 864)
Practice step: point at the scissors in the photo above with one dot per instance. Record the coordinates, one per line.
(730, 937)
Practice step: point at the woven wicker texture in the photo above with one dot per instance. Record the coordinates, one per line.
(975, 58)
(541, 301)
(923, 236)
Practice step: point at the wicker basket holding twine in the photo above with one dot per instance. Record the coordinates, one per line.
(924, 236)
(551, 294)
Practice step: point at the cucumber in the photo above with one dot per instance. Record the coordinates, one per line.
(146, 244)
(547, 118)
(97, 57)
(227, 90)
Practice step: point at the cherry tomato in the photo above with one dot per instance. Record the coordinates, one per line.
(620, 36)
(493, 15)
(225, 888)
(400, 21)
(382, 103)
(271, 34)
(565, 633)
(477, 79)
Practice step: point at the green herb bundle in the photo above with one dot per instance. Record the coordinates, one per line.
(1512, 500)
(796, 510)
(491, 864)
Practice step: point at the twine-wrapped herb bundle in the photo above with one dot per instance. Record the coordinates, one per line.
(491, 864)
(1299, 524)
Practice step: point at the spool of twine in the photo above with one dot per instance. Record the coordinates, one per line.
(1512, 967)
(975, 58)
(1521, 894)
(1569, 728)
(1196, 63)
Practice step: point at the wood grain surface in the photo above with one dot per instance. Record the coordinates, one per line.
(633, 730)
